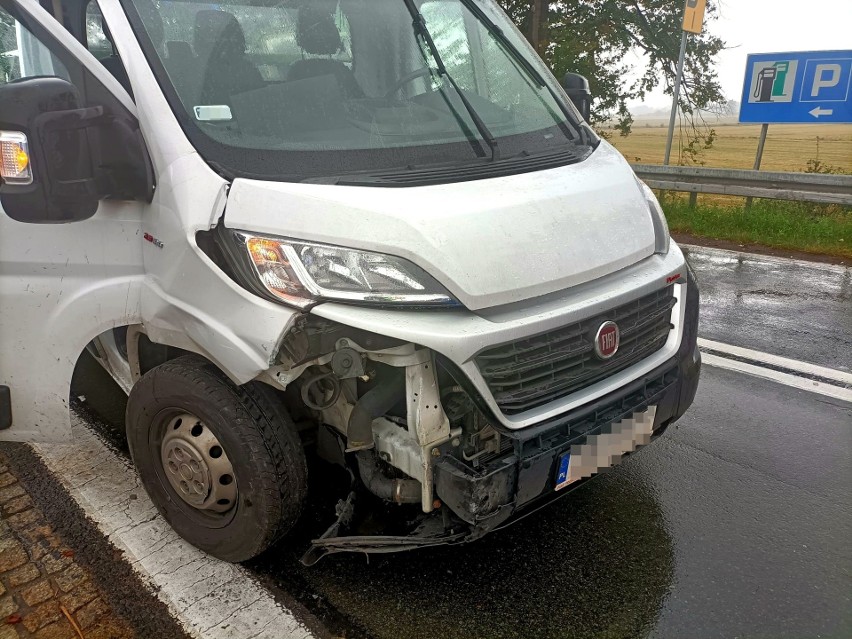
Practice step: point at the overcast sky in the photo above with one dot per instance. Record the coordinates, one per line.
(769, 26)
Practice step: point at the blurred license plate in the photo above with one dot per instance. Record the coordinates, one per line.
(605, 449)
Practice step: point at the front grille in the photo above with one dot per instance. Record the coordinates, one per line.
(535, 371)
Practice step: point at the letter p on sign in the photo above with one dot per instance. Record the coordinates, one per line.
(826, 80)
(825, 76)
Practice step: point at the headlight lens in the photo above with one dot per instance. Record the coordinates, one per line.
(661, 225)
(301, 273)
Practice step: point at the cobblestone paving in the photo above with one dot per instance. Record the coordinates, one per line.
(44, 592)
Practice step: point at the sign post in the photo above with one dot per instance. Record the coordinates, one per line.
(693, 15)
(693, 21)
(806, 87)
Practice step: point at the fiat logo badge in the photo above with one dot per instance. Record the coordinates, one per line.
(606, 340)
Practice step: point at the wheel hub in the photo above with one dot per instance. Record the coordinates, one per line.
(197, 466)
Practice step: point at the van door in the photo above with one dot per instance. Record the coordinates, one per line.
(65, 276)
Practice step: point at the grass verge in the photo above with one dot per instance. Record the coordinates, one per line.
(812, 228)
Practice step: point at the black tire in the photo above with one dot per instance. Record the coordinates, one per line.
(259, 439)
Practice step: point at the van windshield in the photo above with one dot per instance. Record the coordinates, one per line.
(299, 89)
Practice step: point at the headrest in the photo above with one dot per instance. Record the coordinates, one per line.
(177, 49)
(152, 20)
(317, 33)
(218, 34)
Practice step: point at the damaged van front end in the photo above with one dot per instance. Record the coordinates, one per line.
(475, 383)
(311, 236)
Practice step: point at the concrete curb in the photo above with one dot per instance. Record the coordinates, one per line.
(211, 599)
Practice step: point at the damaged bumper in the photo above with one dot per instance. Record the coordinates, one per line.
(527, 474)
(522, 476)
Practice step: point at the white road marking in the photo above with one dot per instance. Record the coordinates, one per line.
(787, 379)
(805, 368)
(841, 377)
(210, 598)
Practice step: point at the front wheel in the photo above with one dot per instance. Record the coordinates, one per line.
(222, 463)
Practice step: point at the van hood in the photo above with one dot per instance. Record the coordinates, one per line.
(489, 242)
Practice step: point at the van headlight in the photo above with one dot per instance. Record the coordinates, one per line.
(302, 273)
(661, 226)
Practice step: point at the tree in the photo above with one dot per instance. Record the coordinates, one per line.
(594, 37)
(7, 40)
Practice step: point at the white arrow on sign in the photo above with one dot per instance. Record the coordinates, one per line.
(820, 111)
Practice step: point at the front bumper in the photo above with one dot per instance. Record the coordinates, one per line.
(459, 336)
(523, 479)
(525, 476)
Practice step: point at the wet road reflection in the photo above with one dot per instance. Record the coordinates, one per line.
(598, 563)
(737, 522)
(799, 310)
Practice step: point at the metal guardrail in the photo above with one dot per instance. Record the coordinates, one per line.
(802, 187)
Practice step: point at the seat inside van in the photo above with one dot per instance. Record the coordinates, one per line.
(220, 51)
(318, 35)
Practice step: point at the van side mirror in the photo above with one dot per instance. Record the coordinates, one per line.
(67, 156)
(577, 88)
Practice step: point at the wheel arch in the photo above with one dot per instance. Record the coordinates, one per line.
(43, 355)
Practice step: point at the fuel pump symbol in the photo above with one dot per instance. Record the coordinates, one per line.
(771, 82)
(765, 83)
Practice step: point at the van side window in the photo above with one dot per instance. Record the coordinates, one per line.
(96, 40)
(22, 55)
(99, 42)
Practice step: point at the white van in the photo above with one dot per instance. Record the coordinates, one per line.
(370, 233)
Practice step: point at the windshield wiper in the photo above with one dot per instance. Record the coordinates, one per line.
(419, 24)
(498, 33)
(528, 66)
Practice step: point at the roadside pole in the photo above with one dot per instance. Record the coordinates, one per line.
(693, 22)
(764, 128)
(675, 97)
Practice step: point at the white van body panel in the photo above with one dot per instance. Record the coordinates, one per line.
(187, 301)
(212, 316)
(489, 242)
(60, 285)
(64, 284)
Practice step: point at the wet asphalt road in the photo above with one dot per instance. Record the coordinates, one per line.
(754, 488)
(795, 309)
(736, 523)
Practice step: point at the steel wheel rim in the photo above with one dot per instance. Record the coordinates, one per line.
(196, 465)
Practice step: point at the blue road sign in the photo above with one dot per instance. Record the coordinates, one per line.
(801, 87)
